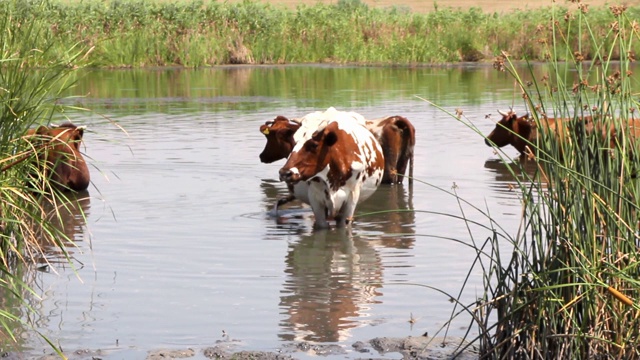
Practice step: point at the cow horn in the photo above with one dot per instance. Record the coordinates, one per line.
(502, 113)
(297, 121)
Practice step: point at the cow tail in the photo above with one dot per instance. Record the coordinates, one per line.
(408, 144)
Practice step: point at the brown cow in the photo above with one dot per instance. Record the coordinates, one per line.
(280, 142)
(522, 131)
(397, 137)
(395, 134)
(58, 155)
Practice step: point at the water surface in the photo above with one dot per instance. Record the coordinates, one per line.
(181, 247)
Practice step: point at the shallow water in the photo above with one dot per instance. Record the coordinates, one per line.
(181, 247)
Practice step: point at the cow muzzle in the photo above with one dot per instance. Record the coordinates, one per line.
(289, 176)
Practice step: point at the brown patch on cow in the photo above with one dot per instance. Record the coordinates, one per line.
(329, 146)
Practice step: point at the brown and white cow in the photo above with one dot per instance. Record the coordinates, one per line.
(58, 156)
(395, 134)
(339, 166)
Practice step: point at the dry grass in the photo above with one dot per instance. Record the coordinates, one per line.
(486, 5)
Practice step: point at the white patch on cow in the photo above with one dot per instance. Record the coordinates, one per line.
(311, 122)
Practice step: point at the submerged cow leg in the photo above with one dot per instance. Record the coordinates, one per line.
(320, 202)
(283, 201)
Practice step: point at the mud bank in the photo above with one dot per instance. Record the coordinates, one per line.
(412, 347)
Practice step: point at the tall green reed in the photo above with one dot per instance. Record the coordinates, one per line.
(27, 97)
(569, 288)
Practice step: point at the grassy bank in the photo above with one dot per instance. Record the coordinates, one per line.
(137, 33)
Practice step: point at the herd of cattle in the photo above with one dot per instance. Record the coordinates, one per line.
(335, 159)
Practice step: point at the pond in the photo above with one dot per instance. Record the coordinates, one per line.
(181, 247)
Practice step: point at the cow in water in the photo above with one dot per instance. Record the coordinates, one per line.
(339, 166)
(522, 131)
(395, 134)
(58, 158)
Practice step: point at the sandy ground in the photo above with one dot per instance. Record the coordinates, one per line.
(491, 6)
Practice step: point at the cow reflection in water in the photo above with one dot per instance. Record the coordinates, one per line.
(331, 278)
(335, 276)
(68, 217)
(507, 174)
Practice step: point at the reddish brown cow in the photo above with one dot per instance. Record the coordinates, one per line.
(58, 156)
(522, 131)
(397, 137)
(395, 134)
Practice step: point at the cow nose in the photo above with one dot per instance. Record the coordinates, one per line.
(285, 174)
(486, 141)
(288, 176)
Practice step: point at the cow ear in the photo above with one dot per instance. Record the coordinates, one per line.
(330, 138)
(80, 131)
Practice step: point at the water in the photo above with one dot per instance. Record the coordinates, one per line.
(181, 247)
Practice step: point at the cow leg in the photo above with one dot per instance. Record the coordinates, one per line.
(283, 201)
(348, 209)
(320, 212)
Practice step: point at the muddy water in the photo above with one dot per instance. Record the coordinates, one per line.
(181, 247)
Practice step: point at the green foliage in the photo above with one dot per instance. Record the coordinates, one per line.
(134, 33)
(568, 287)
(27, 97)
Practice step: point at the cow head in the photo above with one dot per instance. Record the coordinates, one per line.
(511, 130)
(279, 133)
(328, 145)
(58, 156)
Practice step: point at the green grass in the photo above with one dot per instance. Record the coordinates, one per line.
(138, 33)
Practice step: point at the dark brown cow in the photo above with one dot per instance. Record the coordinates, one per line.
(280, 142)
(397, 137)
(395, 134)
(58, 156)
(338, 167)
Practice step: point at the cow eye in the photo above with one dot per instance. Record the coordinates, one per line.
(310, 145)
